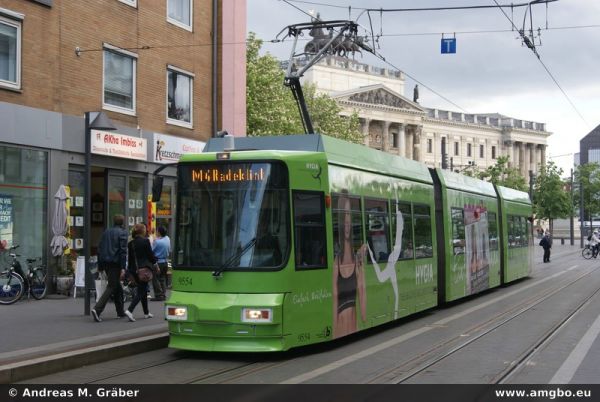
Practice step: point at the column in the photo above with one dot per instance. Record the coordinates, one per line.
(543, 152)
(386, 136)
(531, 155)
(401, 140)
(523, 164)
(418, 151)
(437, 149)
(410, 143)
(538, 155)
(365, 130)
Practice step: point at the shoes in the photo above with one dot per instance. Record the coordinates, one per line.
(121, 315)
(149, 315)
(129, 316)
(96, 315)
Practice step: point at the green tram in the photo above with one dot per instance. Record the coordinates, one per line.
(293, 240)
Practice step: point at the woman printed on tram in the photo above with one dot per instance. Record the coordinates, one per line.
(348, 276)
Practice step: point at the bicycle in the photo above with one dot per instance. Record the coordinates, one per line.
(14, 283)
(11, 281)
(589, 252)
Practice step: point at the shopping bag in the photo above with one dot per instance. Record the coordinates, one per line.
(101, 284)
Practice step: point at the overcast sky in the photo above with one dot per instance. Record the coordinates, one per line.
(490, 72)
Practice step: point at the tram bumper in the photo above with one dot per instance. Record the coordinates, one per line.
(225, 322)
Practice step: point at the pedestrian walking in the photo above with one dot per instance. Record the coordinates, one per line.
(112, 258)
(140, 257)
(546, 244)
(161, 249)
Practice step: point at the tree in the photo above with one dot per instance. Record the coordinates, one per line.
(272, 110)
(550, 200)
(504, 175)
(587, 176)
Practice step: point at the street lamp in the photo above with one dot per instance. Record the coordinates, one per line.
(93, 121)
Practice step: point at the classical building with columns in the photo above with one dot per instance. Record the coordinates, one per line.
(395, 124)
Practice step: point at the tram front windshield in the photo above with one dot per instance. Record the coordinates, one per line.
(232, 215)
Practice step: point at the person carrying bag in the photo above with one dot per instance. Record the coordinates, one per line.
(140, 266)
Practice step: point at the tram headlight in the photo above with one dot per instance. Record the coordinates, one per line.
(179, 313)
(257, 315)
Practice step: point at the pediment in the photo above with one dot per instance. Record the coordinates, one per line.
(379, 95)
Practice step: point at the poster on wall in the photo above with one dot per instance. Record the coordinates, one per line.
(6, 219)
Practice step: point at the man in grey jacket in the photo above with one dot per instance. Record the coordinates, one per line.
(112, 258)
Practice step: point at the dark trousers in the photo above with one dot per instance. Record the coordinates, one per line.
(140, 295)
(159, 280)
(547, 255)
(113, 288)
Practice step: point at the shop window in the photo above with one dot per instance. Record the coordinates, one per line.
(119, 80)
(10, 53)
(23, 201)
(179, 97)
(309, 230)
(179, 12)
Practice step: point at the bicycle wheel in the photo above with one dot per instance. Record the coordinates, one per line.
(38, 283)
(11, 287)
(587, 253)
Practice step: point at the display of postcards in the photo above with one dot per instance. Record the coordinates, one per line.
(131, 221)
(131, 203)
(79, 221)
(79, 201)
(138, 204)
(78, 243)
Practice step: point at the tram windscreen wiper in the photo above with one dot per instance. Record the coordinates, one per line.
(219, 271)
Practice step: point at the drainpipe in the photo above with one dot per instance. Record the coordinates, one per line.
(215, 65)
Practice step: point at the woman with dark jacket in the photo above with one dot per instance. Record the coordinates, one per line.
(139, 255)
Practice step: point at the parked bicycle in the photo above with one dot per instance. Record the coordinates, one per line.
(589, 251)
(14, 283)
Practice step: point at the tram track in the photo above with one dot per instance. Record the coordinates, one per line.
(432, 357)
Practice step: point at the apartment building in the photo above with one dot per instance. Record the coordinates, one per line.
(153, 67)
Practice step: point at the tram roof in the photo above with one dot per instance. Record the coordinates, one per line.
(510, 194)
(462, 182)
(338, 152)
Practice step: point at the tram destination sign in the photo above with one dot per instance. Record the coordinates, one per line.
(227, 174)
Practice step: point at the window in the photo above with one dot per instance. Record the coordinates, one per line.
(395, 138)
(347, 225)
(408, 250)
(518, 228)
(119, 80)
(493, 152)
(132, 3)
(422, 225)
(10, 53)
(493, 231)
(481, 151)
(429, 145)
(458, 231)
(469, 149)
(456, 148)
(179, 12)
(179, 97)
(309, 230)
(378, 228)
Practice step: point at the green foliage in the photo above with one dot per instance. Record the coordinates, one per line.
(272, 110)
(550, 200)
(588, 177)
(504, 175)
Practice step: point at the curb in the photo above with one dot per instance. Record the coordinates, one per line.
(40, 366)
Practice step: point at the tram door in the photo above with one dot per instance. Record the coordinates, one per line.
(127, 196)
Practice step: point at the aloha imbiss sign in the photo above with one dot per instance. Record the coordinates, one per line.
(119, 145)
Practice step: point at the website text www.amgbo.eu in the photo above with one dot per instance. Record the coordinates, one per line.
(543, 393)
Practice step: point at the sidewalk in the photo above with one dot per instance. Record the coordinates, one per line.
(53, 334)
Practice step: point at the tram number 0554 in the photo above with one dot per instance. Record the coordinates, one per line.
(184, 281)
(304, 337)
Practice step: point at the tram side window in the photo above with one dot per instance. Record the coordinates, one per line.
(493, 230)
(309, 230)
(516, 231)
(524, 231)
(458, 231)
(422, 224)
(347, 223)
(378, 228)
(408, 250)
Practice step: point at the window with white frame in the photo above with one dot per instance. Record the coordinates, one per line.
(10, 53)
(119, 80)
(179, 12)
(180, 85)
(132, 3)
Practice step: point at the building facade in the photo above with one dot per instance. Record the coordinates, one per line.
(393, 123)
(589, 148)
(151, 66)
